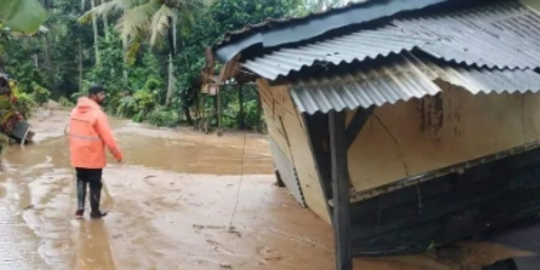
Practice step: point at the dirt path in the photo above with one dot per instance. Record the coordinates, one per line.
(172, 206)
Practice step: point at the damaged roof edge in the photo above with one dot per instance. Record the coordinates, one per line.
(292, 31)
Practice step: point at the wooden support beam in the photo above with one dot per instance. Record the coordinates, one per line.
(340, 184)
(357, 122)
(241, 114)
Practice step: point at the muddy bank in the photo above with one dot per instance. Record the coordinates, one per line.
(178, 202)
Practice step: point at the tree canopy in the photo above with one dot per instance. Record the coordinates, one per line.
(148, 53)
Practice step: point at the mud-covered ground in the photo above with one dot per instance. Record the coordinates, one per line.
(179, 201)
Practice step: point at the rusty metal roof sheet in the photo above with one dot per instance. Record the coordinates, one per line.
(374, 84)
(401, 78)
(501, 34)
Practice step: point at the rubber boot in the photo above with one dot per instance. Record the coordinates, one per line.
(81, 197)
(95, 200)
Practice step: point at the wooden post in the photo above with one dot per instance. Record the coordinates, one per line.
(340, 184)
(259, 110)
(218, 107)
(241, 115)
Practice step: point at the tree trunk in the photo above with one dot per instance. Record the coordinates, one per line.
(36, 60)
(46, 41)
(172, 49)
(189, 119)
(106, 23)
(81, 56)
(170, 86)
(96, 35)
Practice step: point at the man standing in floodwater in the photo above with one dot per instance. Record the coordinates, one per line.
(89, 133)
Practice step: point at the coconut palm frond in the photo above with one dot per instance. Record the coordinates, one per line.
(135, 19)
(161, 23)
(133, 48)
(108, 8)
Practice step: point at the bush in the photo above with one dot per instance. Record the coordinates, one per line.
(40, 94)
(163, 118)
(137, 106)
(25, 105)
(4, 144)
(64, 102)
(127, 107)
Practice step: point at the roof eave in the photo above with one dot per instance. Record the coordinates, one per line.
(293, 31)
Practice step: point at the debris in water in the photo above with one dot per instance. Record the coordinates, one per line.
(29, 207)
(209, 227)
(226, 266)
(232, 230)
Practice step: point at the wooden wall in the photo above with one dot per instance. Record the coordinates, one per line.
(409, 138)
(287, 129)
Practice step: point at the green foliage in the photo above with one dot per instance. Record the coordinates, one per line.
(25, 105)
(60, 64)
(22, 15)
(64, 102)
(137, 106)
(40, 94)
(162, 117)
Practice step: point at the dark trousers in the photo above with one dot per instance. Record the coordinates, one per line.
(92, 178)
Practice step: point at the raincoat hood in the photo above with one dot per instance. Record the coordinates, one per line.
(85, 104)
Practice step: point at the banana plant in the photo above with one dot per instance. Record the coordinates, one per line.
(25, 16)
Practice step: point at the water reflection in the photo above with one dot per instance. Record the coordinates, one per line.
(93, 247)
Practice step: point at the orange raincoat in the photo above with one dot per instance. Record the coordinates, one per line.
(89, 132)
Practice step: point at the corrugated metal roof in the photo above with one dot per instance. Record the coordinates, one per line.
(504, 35)
(400, 79)
(357, 46)
(277, 32)
(481, 80)
(372, 85)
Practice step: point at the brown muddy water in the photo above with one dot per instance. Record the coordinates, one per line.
(171, 205)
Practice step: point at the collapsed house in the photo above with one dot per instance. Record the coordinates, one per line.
(404, 123)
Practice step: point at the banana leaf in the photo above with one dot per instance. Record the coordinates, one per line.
(24, 16)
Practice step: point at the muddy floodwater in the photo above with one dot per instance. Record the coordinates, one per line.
(179, 201)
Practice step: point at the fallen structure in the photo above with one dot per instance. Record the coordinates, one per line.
(12, 123)
(407, 124)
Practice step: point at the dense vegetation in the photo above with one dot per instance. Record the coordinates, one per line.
(148, 53)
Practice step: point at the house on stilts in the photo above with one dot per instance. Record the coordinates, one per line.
(404, 123)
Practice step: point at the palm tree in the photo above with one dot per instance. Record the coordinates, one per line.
(153, 20)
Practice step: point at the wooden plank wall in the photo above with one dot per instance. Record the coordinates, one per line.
(286, 127)
(409, 138)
